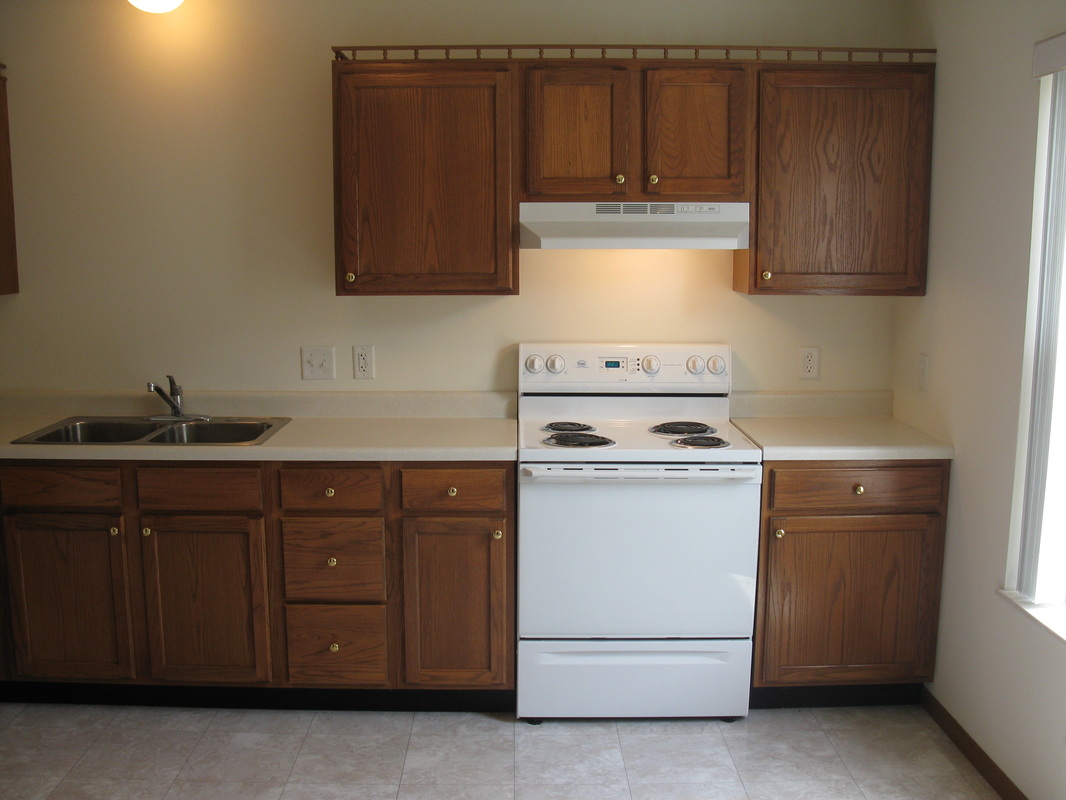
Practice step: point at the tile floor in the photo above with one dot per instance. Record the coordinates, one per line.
(69, 752)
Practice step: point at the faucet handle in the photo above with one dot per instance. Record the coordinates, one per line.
(175, 390)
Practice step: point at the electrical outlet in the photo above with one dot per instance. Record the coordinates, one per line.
(923, 372)
(364, 362)
(318, 363)
(809, 363)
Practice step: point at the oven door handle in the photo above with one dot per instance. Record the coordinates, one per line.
(718, 473)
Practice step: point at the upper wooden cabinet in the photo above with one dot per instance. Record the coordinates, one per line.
(842, 204)
(638, 133)
(422, 179)
(9, 277)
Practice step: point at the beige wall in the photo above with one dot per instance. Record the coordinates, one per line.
(998, 673)
(174, 204)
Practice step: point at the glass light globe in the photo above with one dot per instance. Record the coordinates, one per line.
(156, 6)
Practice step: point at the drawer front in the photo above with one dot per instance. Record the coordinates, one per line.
(320, 489)
(66, 487)
(334, 559)
(336, 644)
(857, 489)
(199, 489)
(454, 489)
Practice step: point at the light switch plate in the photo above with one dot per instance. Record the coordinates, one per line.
(318, 363)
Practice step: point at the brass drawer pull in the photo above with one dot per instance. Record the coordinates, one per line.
(330, 492)
(452, 491)
(779, 533)
(331, 562)
(860, 489)
(654, 179)
(333, 648)
(619, 179)
(497, 534)
(113, 531)
(146, 531)
(767, 275)
(350, 277)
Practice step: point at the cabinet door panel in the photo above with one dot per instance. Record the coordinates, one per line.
(335, 559)
(455, 602)
(850, 599)
(698, 127)
(577, 131)
(61, 487)
(70, 595)
(423, 182)
(205, 585)
(844, 181)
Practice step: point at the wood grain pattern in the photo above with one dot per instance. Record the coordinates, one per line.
(898, 489)
(199, 488)
(331, 489)
(475, 489)
(61, 487)
(205, 585)
(357, 547)
(70, 596)
(359, 633)
(423, 198)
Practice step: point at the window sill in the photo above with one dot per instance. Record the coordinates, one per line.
(1050, 615)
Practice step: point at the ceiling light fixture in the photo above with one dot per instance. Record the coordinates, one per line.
(156, 6)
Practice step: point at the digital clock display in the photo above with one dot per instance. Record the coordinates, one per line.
(612, 364)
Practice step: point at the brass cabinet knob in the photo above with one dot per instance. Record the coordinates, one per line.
(452, 491)
(333, 648)
(619, 179)
(146, 531)
(767, 275)
(330, 492)
(331, 562)
(779, 533)
(350, 277)
(497, 534)
(654, 179)
(113, 531)
(860, 489)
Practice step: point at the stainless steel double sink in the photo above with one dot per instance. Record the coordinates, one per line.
(153, 431)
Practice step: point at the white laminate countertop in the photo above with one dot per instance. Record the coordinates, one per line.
(303, 439)
(840, 439)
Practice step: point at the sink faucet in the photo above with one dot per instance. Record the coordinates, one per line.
(174, 399)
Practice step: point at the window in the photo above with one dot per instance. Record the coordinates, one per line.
(1041, 573)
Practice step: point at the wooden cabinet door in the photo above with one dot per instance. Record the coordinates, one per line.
(577, 139)
(70, 595)
(697, 131)
(844, 163)
(456, 605)
(422, 181)
(205, 587)
(849, 599)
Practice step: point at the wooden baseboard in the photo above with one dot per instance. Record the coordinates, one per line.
(981, 761)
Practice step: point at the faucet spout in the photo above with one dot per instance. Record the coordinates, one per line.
(174, 400)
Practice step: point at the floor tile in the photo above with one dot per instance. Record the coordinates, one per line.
(110, 789)
(223, 790)
(567, 727)
(8, 711)
(498, 792)
(257, 720)
(763, 720)
(939, 787)
(677, 759)
(887, 752)
(258, 757)
(731, 790)
(460, 723)
(381, 723)
(850, 718)
(43, 751)
(840, 789)
(570, 791)
(26, 787)
(670, 727)
(164, 718)
(776, 755)
(136, 755)
(74, 717)
(591, 759)
(459, 760)
(338, 791)
(343, 759)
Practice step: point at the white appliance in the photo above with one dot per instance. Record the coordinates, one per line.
(637, 544)
(612, 225)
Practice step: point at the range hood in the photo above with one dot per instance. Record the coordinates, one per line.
(679, 226)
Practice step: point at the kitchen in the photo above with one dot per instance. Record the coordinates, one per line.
(174, 213)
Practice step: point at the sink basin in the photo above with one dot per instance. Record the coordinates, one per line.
(213, 432)
(145, 430)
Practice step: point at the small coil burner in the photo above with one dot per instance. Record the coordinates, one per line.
(700, 442)
(681, 429)
(578, 440)
(568, 427)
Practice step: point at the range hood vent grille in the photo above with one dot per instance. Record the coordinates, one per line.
(635, 208)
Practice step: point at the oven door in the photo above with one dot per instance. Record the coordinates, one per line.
(637, 551)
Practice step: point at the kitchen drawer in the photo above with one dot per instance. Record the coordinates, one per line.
(199, 488)
(336, 644)
(454, 489)
(325, 489)
(67, 487)
(910, 488)
(335, 559)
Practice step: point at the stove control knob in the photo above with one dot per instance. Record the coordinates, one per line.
(716, 365)
(555, 364)
(650, 364)
(534, 364)
(695, 365)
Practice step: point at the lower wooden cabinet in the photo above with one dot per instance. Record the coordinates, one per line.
(337, 644)
(849, 589)
(456, 602)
